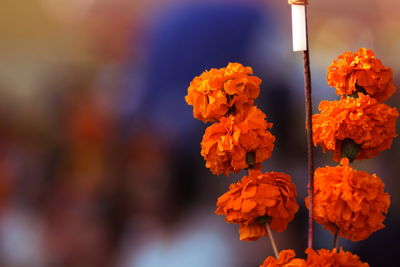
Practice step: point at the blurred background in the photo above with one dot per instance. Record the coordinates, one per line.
(100, 156)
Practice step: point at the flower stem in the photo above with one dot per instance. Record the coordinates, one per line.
(310, 149)
(271, 239)
(336, 239)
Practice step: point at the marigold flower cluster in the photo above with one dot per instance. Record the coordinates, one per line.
(350, 201)
(358, 117)
(319, 258)
(226, 95)
(226, 143)
(239, 139)
(370, 124)
(361, 69)
(271, 194)
(218, 91)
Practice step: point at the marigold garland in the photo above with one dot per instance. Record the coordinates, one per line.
(332, 258)
(217, 92)
(286, 259)
(226, 143)
(352, 70)
(352, 200)
(348, 202)
(367, 122)
(270, 194)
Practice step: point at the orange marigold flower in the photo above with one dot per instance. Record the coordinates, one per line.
(251, 231)
(332, 258)
(286, 258)
(352, 201)
(270, 196)
(370, 124)
(351, 70)
(226, 143)
(217, 91)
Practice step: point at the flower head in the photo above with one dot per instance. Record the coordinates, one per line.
(226, 144)
(369, 124)
(332, 258)
(350, 201)
(217, 92)
(361, 68)
(286, 258)
(269, 195)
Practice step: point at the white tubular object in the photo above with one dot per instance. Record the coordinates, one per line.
(299, 27)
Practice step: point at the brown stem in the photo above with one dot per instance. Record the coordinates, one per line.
(336, 239)
(271, 239)
(310, 149)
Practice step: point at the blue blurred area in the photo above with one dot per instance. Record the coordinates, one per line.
(183, 42)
